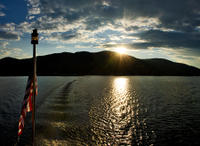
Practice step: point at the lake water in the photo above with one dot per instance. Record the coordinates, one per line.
(105, 110)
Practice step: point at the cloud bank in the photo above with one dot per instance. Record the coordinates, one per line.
(172, 23)
(134, 24)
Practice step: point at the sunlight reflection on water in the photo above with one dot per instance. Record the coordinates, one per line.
(120, 107)
(120, 85)
(113, 126)
(117, 121)
(119, 95)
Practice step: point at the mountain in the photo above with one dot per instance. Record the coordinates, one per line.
(100, 63)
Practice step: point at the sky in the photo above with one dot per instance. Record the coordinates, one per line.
(167, 29)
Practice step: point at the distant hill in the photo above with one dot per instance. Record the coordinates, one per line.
(100, 63)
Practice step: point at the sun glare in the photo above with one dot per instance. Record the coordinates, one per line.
(120, 50)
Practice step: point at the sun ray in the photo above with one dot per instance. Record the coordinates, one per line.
(120, 50)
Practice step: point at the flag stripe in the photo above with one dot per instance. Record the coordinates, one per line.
(27, 103)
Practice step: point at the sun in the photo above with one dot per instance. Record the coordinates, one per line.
(120, 50)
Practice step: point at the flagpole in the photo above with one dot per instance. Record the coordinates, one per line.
(34, 41)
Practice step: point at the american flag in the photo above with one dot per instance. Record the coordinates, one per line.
(27, 103)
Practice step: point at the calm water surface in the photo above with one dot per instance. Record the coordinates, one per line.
(105, 110)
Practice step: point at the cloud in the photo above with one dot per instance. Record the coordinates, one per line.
(60, 47)
(1, 13)
(13, 52)
(64, 36)
(3, 44)
(163, 39)
(7, 27)
(34, 11)
(33, 7)
(186, 56)
(172, 39)
(2, 6)
(5, 51)
(8, 36)
(175, 14)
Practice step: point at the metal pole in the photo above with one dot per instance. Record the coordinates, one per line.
(34, 93)
(34, 41)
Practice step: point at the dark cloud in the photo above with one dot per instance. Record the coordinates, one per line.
(8, 36)
(70, 9)
(170, 39)
(157, 38)
(69, 35)
(93, 24)
(180, 15)
(66, 35)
